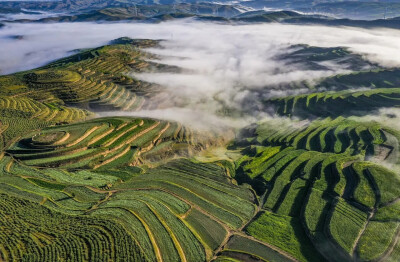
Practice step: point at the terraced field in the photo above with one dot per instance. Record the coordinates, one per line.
(19, 115)
(178, 211)
(317, 186)
(347, 102)
(77, 187)
(107, 142)
(92, 79)
(57, 237)
(67, 90)
(334, 135)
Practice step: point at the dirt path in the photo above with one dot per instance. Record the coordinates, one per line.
(222, 246)
(85, 135)
(170, 233)
(95, 206)
(390, 202)
(281, 252)
(187, 213)
(230, 232)
(8, 166)
(101, 191)
(353, 250)
(186, 201)
(105, 162)
(63, 139)
(392, 246)
(151, 236)
(111, 141)
(43, 201)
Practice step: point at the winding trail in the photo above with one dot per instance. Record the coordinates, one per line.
(392, 246)
(357, 240)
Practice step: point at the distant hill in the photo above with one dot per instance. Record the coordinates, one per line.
(140, 12)
(291, 17)
(366, 10)
(260, 16)
(211, 12)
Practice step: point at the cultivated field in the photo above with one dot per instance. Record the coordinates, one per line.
(78, 187)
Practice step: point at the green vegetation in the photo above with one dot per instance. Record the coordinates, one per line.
(285, 233)
(336, 135)
(78, 188)
(389, 212)
(103, 143)
(210, 231)
(376, 239)
(318, 193)
(31, 232)
(176, 211)
(345, 224)
(242, 245)
(331, 103)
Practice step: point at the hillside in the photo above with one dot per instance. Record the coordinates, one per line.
(78, 184)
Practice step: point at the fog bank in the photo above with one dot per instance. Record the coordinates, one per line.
(226, 67)
(42, 43)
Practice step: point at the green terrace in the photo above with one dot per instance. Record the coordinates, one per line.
(342, 94)
(181, 211)
(335, 135)
(53, 236)
(318, 192)
(107, 142)
(21, 115)
(67, 90)
(347, 102)
(78, 188)
(90, 79)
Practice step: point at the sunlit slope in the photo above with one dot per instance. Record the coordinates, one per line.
(91, 79)
(370, 140)
(317, 189)
(20, 115)
(107, 142)
(69, 89)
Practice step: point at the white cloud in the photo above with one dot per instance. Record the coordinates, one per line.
(45, 42)
(232, 66)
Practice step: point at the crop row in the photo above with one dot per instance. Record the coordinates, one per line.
(338, 135)
(103, 143)
(304, 183)
(337, 103)
(57, 237)
(174, 214)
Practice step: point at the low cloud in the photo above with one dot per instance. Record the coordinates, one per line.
(42, 43)
(191, 117)
(26, 14)
(229, 68)
(389, 117)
